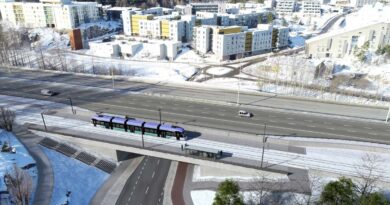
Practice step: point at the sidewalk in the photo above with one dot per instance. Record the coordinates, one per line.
(109, 193)
(45, 172)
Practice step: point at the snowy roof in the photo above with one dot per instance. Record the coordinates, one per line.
(104, 118)
(153, 125)
(134, 122)
(341, 31)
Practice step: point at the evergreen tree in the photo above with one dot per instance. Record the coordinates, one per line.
(228, 194)
(340, 192)
(375, 198)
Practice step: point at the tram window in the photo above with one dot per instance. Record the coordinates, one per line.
(118, 125)
(138, 129)
(169, 133)
(131, 128)
(149, 130)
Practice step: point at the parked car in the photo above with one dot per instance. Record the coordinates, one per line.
(243, 113)
(48, 92)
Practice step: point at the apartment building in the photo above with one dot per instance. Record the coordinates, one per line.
(311, 7)
(61, 14)
(236, 41)
(177, 28)
(202, 39)
(280, 36)
(341, 43)
(286, 6)
(361, 3)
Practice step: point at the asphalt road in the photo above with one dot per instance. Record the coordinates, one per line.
(279, 122)
(146, 185)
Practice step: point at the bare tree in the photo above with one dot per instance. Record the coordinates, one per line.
(19, 185)
(7, 118)
(369, 173)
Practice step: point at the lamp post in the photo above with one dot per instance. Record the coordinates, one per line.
(264, 141)
(159, 113)
(44, 123)
(113, 78)
(71, 105)
(143, 143)
(388, 114)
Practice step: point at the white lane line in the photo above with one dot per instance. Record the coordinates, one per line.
(347, 125)
(158, 161)
(153, 174)
(273, 121)
(147, 189)
(369, 128)
(308, 120)
(311, 126)
(289, 118)
(375, 134)
(351, 131)
(330, 128)
(291, 123)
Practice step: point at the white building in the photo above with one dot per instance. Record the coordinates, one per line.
(282, 34)
(50, 13)
(343, 43)
(311, 7)
(236, 41)
(285, 6)
(202, 39)
(361, 3)
(261, 39)
(175, 29)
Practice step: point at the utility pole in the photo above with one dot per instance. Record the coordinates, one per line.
(159, 113)
(239, 78)
(388, 114)
(44, 123)
(264, 141)
(143, 143)
(113, 80)
(71, 105)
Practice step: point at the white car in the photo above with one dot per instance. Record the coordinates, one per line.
(47, 92)
(243, 113)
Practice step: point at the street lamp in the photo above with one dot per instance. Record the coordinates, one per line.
(239, 78)
(71, 105)
(44, 123)
(113, 78)
(264, 141)
(159, 113)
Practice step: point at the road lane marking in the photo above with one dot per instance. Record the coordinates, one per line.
(154, 172)
(291, 123)
(289, 118)
(158, 161)
(347, 125)
(308, 120)
(147, 189)
(369, 128)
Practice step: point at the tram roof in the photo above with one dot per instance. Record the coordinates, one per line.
(172, 128)
(134, 122)
(152, 125)
(104, 118)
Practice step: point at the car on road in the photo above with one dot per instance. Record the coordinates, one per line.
(243, 113)
(48, 92)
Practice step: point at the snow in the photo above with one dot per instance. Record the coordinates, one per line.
(72, 175)
(20, 158)
(204, 173)
(164, 71)
(110, 25)
(206, 197)
(48, 38)
(219, 71)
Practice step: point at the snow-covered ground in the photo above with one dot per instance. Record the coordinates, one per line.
(206, 197)
(72, 175)
(219, 71)
(21, 158)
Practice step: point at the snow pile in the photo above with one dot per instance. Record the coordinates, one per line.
(110, 25)
(47, 38)
(219, 71)
(72, 175)
(21, 158)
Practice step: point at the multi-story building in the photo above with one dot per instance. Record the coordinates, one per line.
(202, 39)
(286, 6)
(280, 36)
(236, 41)
(311, 7)
(176, 28)
(341, 43)
(193, 8)
(361, 3)
(51, 13)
